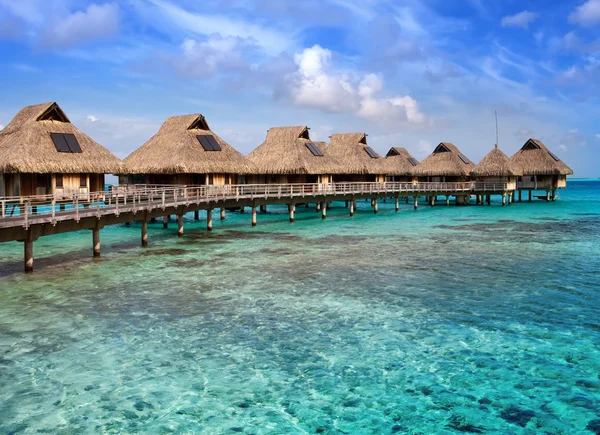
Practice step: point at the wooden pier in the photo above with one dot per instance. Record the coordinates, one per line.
(28, 218)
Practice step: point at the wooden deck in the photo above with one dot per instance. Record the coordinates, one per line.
(28, 218)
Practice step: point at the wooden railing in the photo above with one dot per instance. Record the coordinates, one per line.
(133, 198)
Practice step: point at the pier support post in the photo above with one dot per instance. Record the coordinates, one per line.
(447, 199)
(96, 242)
(153, 220)
(352, 207)
(432, 200)
(242, 210)
(489, 199)
(196, 215)
(165, 221)
(553, 194)
(179, 225)
(28, 255)
(510, 197)
(253, 215)
(520, 195)
(503, 199)
(263, 208)
(375, 206)
(307, 205)
(346, 204)
(397, 205)
(530, 195)
(547, 195)
(209, 221)
(292, 212)
(407, 199)
(477, 199)
(323, 210)
(222, 217)
(144, 234)
(416, 202)
(318, 207)
(127, 224)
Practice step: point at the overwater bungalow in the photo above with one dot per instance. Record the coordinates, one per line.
(445, 164)
(186, 151)
(288, 155)
(42, 153)
(399, 165)
(497, 168)
(542, 169)
(359, 162)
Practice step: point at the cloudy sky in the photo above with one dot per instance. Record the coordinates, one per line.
(410, 73)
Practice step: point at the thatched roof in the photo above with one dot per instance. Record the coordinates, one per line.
(398, 162)
(26, 145)
(445, 161)
(349, 150)
(496, 164)
(284, 151)
(175, 149)
(536, 159)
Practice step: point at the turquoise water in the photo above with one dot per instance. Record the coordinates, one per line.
(446, 320)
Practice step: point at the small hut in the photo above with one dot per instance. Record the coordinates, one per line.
(288, 155)
(399, 165)
(43, 153)
(497, 168)
(542, 169)
(445, 164)
(359, 162)
(186, 151)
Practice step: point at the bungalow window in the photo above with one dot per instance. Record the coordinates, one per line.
(59, 181)
(65, 143)
(82, 180)
(208, 142)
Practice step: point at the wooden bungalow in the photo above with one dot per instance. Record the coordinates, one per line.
(359, 162)
(542, 169)
(43, 153)
(288, 155)
(497, 168)
(186, 151)
(399, 165)
(445, 164)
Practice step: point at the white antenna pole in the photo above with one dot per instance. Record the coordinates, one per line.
(496, 113)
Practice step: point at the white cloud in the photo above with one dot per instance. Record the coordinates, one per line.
(96, 22)
(424, 148)
(586, 14)
(1, 127)
(272, 41)
(562, 147)
(315, 84)
(92, 118)
(522, 19)
(217, 54)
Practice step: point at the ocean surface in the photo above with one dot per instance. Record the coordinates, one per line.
(460, 319)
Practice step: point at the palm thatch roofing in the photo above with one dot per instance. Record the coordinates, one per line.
(26, 145)
(285, 151)
(399, 162)
(350, 149)
(496, 164)
(445, 161)
(536, 159)
(176, 149)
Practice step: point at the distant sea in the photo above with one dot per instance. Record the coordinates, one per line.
(460, 319)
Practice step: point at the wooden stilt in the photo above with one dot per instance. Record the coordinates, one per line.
(96, 242)
(447, 199)
(179, 225)
(530, 195)
(324, 210)
(547, 195)
(292, 212)
(375, 206)
(503, 199)
(28, 255)
(416, 202)
(209, 220)
(432, 200)
(553, 194)
(352, 207)
(307, 205)
(520, 195)
(346, 204)
(263, 208)
(144, 234)
(407, 199)
(165, 221)
(489, 199)
(253, 215)
(397, 205)
(222, 217)
(196, 215)
(242, 210)
(318, 207)
(153, 220)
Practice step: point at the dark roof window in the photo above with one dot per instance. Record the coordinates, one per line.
(208, 142)
(554, 156)
(371, 153)
(314, 149)
(65, 143)
(464, 158)
(412, 161)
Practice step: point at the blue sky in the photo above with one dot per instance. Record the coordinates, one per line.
(409, 73)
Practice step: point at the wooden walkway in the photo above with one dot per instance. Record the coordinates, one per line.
(28, 218)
